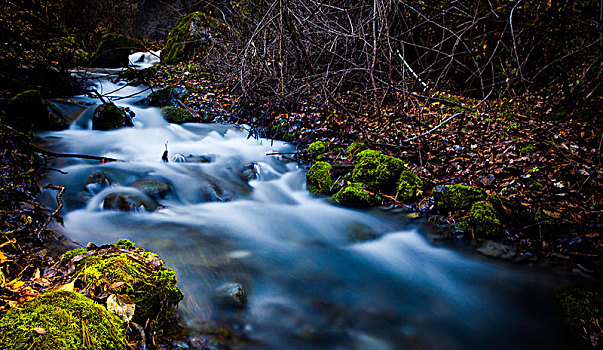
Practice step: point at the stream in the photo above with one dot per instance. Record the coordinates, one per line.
(317, 276)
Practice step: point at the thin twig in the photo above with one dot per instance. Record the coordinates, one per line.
(435, 127)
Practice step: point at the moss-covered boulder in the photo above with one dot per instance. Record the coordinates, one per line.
(355, 148)
(317, 149)
(582, 314)
(356, 196)
(483, 220)
(113, 51)
(176, 115)
(457, 197)
(409, 185)
(377, 170)
(62, 320)
(28, 111)
(193, 33)
(108, 116)
(127, 270)
(319, 179)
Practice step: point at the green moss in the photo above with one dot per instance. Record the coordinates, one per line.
(483, 220)
(354, 195)
(408, 185)
(317, 149)
(192, 34)
(145, 280)
(72, 254)
(582, 313)
(457, 197)
(62, 320)
(355, 148)
(108, 116)
(113, 51)
(377, 170)
(142, 75)
(176, 115)
(319, 179)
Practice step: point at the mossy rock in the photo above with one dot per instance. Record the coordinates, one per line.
(483, 220)
(319, 179)
(141, 76)
(317, 149)
(108, 116)
(582, 314)
(62, 320)
(355, 148)
(159, 98)
(28, 111)
(356, 196)
(457, 197)
(377, 170)
(409, 185)
(193, 33)
(113, 51)
(176, 115)
(137, 273)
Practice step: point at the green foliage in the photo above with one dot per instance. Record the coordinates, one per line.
(108, 116)
(408, 186)
(62, 320)
(527, 149)
(457, 197)
(378, 170)
(317, 149)
(319, 179)
(483, 220)
(192, 34)
(161, 97)
(176, 115)
(582, 313)
(354, 195)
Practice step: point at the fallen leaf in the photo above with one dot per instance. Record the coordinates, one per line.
(121, 305)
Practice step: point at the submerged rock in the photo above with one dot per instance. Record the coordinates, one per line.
(356, 196)
(125, 201)
(176, 115)
(456, 197)
(231, 294)
(113, 51)
(154, 188)
(319, 179)
(108, 116)
(96, 181)
(62, 320)
(193, 33)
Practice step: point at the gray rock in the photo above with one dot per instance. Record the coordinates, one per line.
(154, 188)
(231, 294)
(128, 202)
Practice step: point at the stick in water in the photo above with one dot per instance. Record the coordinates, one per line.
(164, 157)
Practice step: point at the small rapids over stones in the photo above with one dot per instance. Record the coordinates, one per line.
(252, 248)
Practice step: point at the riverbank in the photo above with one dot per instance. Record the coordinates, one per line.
(544, 168)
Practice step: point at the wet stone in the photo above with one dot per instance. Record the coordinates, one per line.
(231, 294)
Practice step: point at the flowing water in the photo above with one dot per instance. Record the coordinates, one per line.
(317, 276)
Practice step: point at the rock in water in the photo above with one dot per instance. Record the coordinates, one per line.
(108, 116)
(128, 202)
(27, 111)
(154, 188)
(231, 294)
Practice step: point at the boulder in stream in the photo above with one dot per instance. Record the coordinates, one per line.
(154, 188)
(129, 201)
(176, 115)
(108, 116)
(319, 179)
